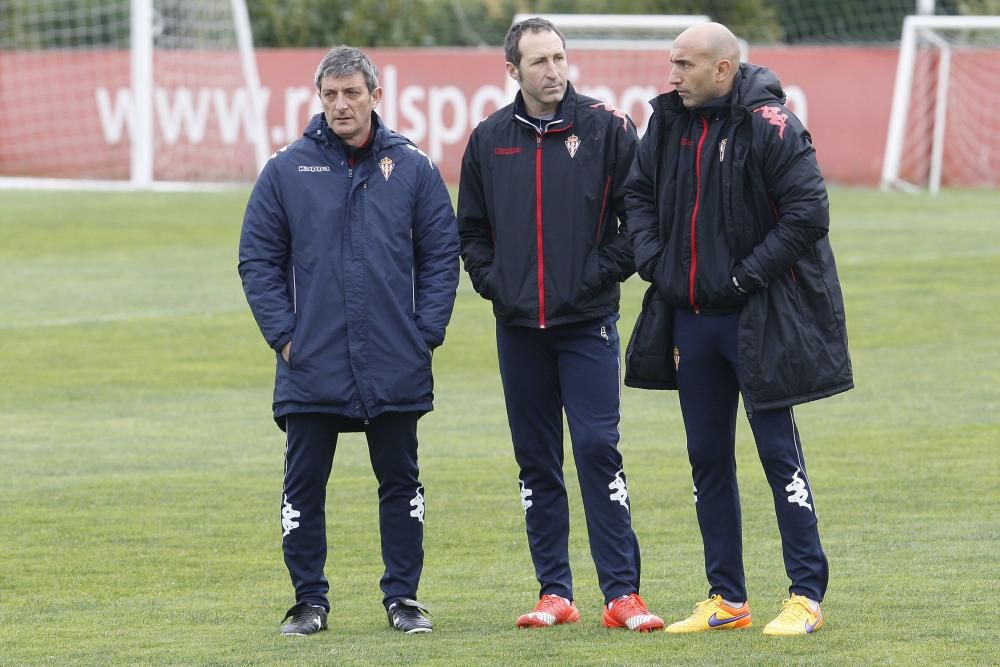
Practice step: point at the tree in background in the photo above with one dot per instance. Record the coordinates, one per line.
(461, 23)
(410, 23)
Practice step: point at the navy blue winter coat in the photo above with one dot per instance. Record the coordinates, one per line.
(357, 265)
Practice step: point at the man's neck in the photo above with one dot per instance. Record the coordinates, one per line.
(540, 112)
(359, 141)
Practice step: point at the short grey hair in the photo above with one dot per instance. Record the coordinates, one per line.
(341, 61)
(512, 42)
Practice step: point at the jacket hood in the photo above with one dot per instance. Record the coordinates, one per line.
(382, 137)
(755, 85)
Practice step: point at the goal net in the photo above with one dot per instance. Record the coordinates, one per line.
(159, 94)
(944, 129)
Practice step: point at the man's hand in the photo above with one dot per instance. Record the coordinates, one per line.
(285, 350)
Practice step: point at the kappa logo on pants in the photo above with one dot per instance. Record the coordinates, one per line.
(800, 494)
(288, 516)
(525, 496)
(620, 489)
(418, 505)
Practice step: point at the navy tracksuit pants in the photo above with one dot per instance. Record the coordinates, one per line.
(392, 448)
(707, 372)
(575, 368)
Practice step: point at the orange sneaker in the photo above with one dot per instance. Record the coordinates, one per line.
(629, 611)
(550, 610)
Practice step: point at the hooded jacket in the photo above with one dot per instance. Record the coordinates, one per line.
(356, 263)
(539, 211)
(766, 227)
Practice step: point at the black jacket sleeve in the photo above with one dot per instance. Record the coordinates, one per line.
(616, 257)
(640, 201)
(798, 195)
(474, 229)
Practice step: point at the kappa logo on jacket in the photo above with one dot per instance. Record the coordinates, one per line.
(774, 116)
(614, 111)
(314, 168)
(420, 153)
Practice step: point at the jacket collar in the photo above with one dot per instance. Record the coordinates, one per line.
(563, 118)
(380, 138)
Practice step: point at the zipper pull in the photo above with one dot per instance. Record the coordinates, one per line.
(350, 172)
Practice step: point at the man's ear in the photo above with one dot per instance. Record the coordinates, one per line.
(513, 72)
(723, 69)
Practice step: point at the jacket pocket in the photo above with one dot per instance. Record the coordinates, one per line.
(487, 288)
(592, 283)
(649, 362)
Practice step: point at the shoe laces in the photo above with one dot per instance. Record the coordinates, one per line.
(631, 604)
(551, 604)
(797, 609)
(698, 606)
(302, 611)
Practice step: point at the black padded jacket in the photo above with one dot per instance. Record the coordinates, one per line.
(769, 231)
(541, 211)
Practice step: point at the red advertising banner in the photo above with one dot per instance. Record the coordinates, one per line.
(82, 127)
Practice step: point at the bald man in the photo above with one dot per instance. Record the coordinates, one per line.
(728, 218)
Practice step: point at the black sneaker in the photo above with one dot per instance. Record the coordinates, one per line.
(409, 616)
(306, 619)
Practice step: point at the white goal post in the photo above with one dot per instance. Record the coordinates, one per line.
(619, 31)
(129, 95)
(945, 63)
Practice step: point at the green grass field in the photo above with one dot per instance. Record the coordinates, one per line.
(140, 470)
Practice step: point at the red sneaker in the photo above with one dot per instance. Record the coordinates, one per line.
(550, 610)
(629, 611)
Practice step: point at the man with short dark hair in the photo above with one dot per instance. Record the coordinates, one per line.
(728, 216)
(349, 261)
(540, 201)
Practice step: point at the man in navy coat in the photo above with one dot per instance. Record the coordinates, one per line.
(349, 261)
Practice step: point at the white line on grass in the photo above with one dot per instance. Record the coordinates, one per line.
(917, 257)
(116, 317)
